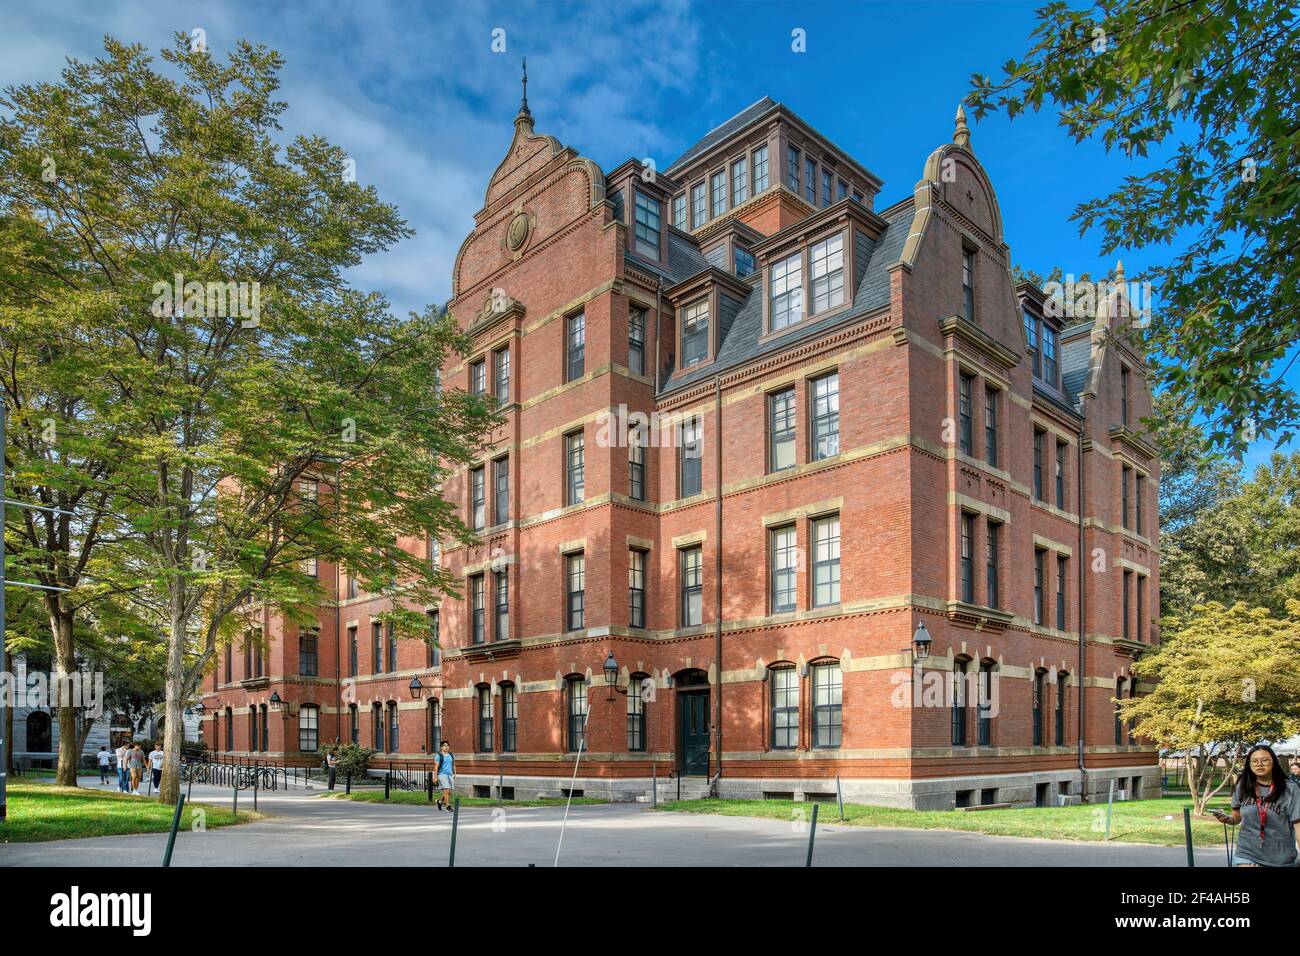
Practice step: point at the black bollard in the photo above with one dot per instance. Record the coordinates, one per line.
(812, 835)
(349, 783)
(455, 819)
(1187, 832)
(171, 838)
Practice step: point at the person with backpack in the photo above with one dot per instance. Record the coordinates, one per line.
(446, 775)
(1266, 804)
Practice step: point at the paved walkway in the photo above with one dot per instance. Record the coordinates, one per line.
(304, 829)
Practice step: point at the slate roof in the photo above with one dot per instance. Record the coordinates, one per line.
(684, 260)
(719, 133)
(1076, 359)
(742, 342)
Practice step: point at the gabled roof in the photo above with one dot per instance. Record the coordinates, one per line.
(719, 133)
(1076, 361)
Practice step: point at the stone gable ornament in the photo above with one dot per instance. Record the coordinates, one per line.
(517, 231)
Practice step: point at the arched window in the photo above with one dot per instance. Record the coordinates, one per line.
(39, 734)
(266, 729)
(377, 726)
(959, 702)
(784, 680)
(828, 704)
(486, 731)
(354, 728)
(392, 727)
(252, 729)
(1132, 692)
(308, 728)
(435, 725)
(509, 718)
(1040, 688)
(575, 695)
(986, 703)
(636, 713)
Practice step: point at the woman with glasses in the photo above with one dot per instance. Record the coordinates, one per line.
(1266, 804)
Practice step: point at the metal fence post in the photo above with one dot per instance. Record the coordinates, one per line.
(254, 790)
(171, 838)
(1187, 832)
(1110, 803)
(501, 786)
(388, 783)
(455, 820)
(654, 785)
(812, 835)
(348, 779)
(235, 807)
(839, 795)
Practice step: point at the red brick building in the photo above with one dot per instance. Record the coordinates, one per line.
(758, 431)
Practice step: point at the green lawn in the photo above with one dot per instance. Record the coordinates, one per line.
(39, 812)
(1138, 821)
(419, 798)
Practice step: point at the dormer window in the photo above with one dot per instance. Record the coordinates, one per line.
(744, 263)
(1031, 340)
(787, 291)
(760, 169)
(679, 211)
(616, 199)
(1043, 341)
(1050, 366)
(739, 181)
(826, 187)
(647, 225)
(826, 266)
(718, 193)
(699, 212)
(810, 181)
(695, 333)
(792, 170)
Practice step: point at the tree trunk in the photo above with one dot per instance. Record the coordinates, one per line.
(174, 721)
(65, 663)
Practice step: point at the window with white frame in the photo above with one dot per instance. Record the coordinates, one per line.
(787, 292)
(695, 333)
(826, 561)
(647, 225)
(739, 181)
(826, 270)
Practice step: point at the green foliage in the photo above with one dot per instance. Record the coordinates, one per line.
(1226, 678)
(353, 759)
(1206, 94)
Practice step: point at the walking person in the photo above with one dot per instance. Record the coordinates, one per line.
(1295, 768)
(123, 773)
(1267, 805)
(156, 765)
(446, 775)
(104, 758)
(135, 761)
(331, 766)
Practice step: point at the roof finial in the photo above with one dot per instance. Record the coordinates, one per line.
(524, 113)
(1119, 271)
(961, 136)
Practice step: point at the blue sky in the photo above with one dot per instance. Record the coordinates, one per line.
(417, 96)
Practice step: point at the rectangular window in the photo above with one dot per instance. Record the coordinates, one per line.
(1123, 495)
(636, 465)
(575, 345)
(501, 626)
(433, 657)
(760, 169)
(739, 181)
(390, 631)
(377, 647)
(1039, 437)
(636, 341)
(1123, 395)
(842, 190)
(965, 413)
(1040, 583)
(1039, 689)
(1060, 474)
(826, 561)
(692, 586)
(354, 724)
(308, 729)
(968, 557)
(352, 652)
(828, 705)
(577, 712)
(309, 567)
(635, 717)
(792, 169)
(985, 705)
(690, 458)
(1124, 605)
(486, 732)
(477, 610)
(1031, 338)
(648, 226)
(377, 726)
(575, 592)
(501, 490)
(636, 587)
(392, 727)
(1139, 492)
(968, 283)
(744, 263)
(784, 569)
(826, 270)
(1060, 709)
(695, 333)
(679, 212)
(575, 456)
(1049, 356)
(825, 411)
(1062, 570)
(501, 374)
(992, 566)
(477, 500)
(857, 196)
(780, 430)
(509, 718)
(718, 193)
(810, 181)
(352, 587)
(959, 704)
(308, 658)
(478, 377)
(991, 426)
(699, 212)
(826, 187)
(787, 292)
(1140, 616)
(785, 708)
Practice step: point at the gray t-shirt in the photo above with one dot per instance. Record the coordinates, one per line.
(1276, 846)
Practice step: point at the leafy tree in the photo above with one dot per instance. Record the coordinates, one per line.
(305, 423)
(354, 760)
(1228, 677)
(1209, 93)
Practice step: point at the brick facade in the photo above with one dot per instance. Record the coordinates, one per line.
(894, 477)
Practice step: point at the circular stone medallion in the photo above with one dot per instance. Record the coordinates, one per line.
(517, 232)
